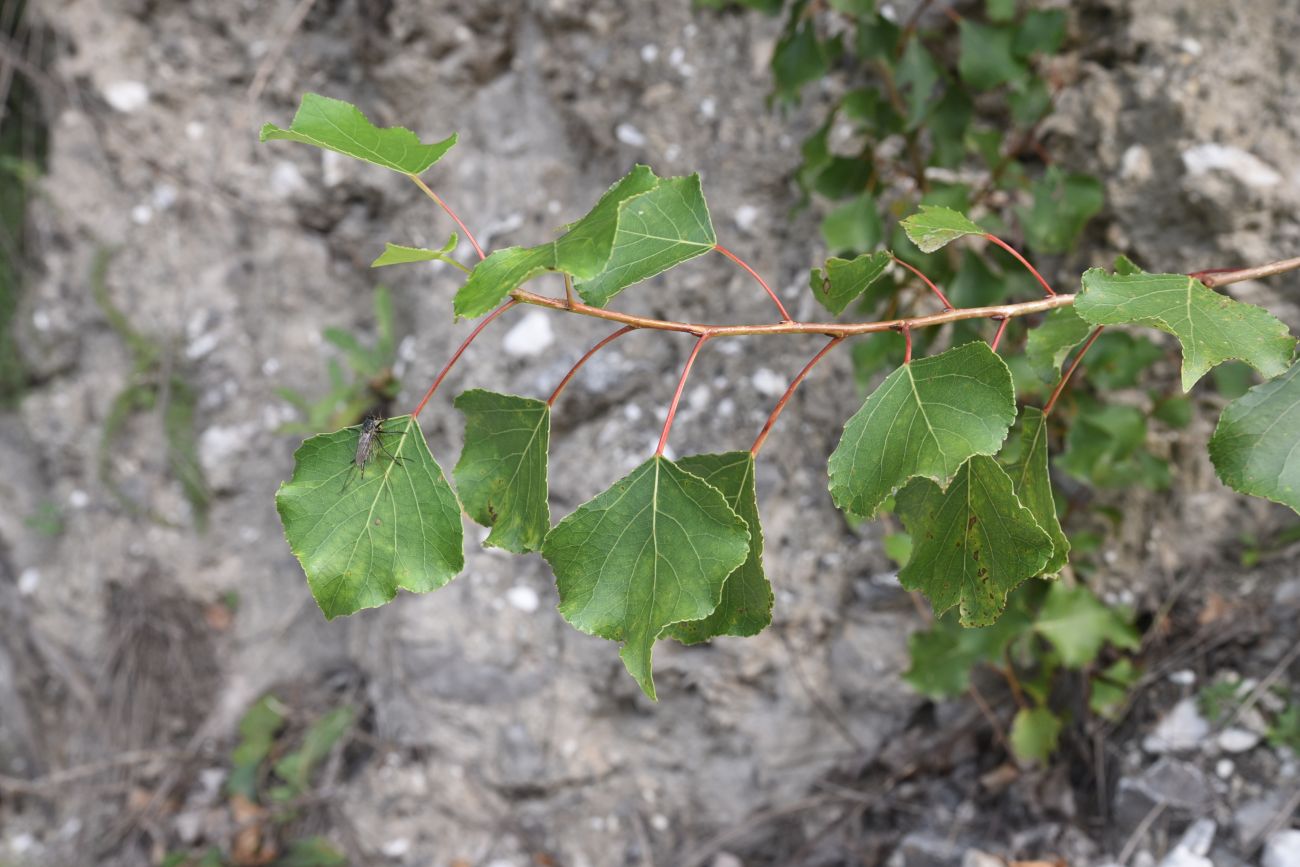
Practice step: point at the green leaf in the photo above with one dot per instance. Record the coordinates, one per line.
(501, 475)
(925, 419)
(653, 550)
(1111, 687)
(338, 126)
(257, 730)
(1047, 345)
(312, 852)
(853, 226)
(1254, 447)
(583, 251)
(296, 768)
(1040, 32)
(916, 75)
(934, 227)
(1000, 10)
(944, 655)
(1063, 205)
(1117, 359)
(1034, 733)
(362, 535)
(973, 543)
(1078, 624)
(1212, 328)
(746, 606)
(1105, 447)
(799, 58)
(397, 254)
(656, 230)
(854, 7)
(1033, 484)
(844, 280)
(986, 58)
(877, 38)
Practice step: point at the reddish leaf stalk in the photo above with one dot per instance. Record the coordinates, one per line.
(789, 392)
(1060, 386)
(785, 317)
(906, 328)
(677, 396)
(947, 305)
(450, 213)
(997, 338)
(1022, 260)
(555, 395)
(460, 351)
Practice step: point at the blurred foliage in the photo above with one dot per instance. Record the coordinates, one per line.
(370, 388)
(157, 385)
(23, 145)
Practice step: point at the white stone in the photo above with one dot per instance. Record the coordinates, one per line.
(631, 412)
(677, 56)
(29, 580)
(649, 52)
(709, 107)
(220, 443)
(195, 130)
(1192, 848)
(1182, 728)
(78, 499)
(164, 196)
(769, 384)
(1183, 677)
(202, 345)
(1225, 768)
(41, 320)
(530, 336)
(1282, 849)
(1235, 740)
(286, 179)
(629, 135)
(523, 597)
(126, 96)
(271, 366)
(747, 217)
(659, 822)
(1241, 164)
(397, 847)
(1135, 165)
(141, 215)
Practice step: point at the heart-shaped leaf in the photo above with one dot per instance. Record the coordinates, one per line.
(360, 534)
(1256, 447)
(653, 550)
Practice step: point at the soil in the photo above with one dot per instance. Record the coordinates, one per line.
(488, 731)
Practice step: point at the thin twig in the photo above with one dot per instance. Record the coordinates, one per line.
(785, 317)
(1022, 260)
(450, 213)
(997, 338)
(1213, 279)
(1130, 846)
(677, 396)
(785, 398)
(1060, 386)
(457, 354)
(78, 773)
(272, 59)
(830, 329)
(555, 395)
(947, 305)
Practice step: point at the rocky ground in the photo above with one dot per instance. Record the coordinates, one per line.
(488, 732)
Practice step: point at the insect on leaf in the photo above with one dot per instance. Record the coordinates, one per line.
(1211, 327)
(340, 127)
(361, 537)
(651, 551)
(501, 475)
(925, 419)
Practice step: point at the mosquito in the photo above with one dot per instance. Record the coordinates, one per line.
(370, 440)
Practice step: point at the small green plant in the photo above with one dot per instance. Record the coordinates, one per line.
(372, 385)
(155, 385)
(674, 549)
